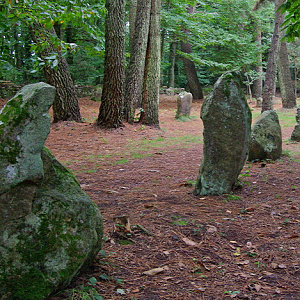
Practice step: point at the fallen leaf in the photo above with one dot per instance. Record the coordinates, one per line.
(282, 266)
(189, 242)
(211, 229)
(149, 205)
(244, 262)
(154, 271)
(274, 265)
(238, 251)
(257, 287)
(293, 236)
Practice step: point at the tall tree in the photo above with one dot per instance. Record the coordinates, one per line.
(270, 79)
(150, 97)
(285, 79)
(135, 70)
(258, 82)
(114, 66)
(65, 106)
(189, 66)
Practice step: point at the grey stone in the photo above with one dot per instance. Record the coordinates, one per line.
(49, 228)
(24, 127)
(266, 138)
(296, 132)
(184, 105)
(227, 125)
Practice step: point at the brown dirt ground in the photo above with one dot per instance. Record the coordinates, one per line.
(244, 245)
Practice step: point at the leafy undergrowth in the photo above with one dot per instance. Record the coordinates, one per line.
(244, 245)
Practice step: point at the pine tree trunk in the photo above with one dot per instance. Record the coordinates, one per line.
(285, 79)
(258, 83)
(65, 106)
(270, 81)
(135, 71)
(132, 18)
(172, 59)
(189, 66)
(114, 66)
(150, 102)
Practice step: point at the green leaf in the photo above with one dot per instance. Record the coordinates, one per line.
(93, 281)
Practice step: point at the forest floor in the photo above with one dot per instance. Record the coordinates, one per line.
(243, 245)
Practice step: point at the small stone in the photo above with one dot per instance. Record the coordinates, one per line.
(266, 137)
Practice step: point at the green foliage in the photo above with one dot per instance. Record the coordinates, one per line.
(292, 19)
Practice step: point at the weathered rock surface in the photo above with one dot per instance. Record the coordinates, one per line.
(296, 132)
(266, 138)
(49, 228)
(227, 125)
(184, 105)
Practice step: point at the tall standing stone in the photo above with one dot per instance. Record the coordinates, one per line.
(227, 125)
(49, 228)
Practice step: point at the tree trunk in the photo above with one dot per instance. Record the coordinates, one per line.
(270, 81)
(189, 66)
(135, 71)
(65, 106)
(285, 79)
(114, 66)
(173, 48)
(132, 18)
(149, 113)
(258, 83)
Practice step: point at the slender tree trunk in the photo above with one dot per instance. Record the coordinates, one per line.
(258, 83)
(135, 71)
(270, 81)
(114, 66)
(65, 106)
(189, 66)
(150, 102)
(132, 18)
(173, 48)
(285, 79)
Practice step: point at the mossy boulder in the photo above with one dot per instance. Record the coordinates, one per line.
(296, 132)
(49, 228)
(227, 125)
(266, 137)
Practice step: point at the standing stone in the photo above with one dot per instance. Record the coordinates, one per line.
(296, 132)
(184, 105)
(227, 124)
(49, 228)
(266, 139)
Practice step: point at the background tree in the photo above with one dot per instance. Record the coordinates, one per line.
(65, 106)
(189, 66)
(135, 69)
(114, 66)
(270, 80)
(150, 100)
(286, 84)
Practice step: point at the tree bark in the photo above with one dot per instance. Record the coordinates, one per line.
(132, 18)
(149, 113)
(285, 79)
(65, 106)
(270, 81)
(258, 83)
(114, 66)
(172, 59)
(135, 71)
(189, 66)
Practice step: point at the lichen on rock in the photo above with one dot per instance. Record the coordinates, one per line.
(49, 228)
(227, 124)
